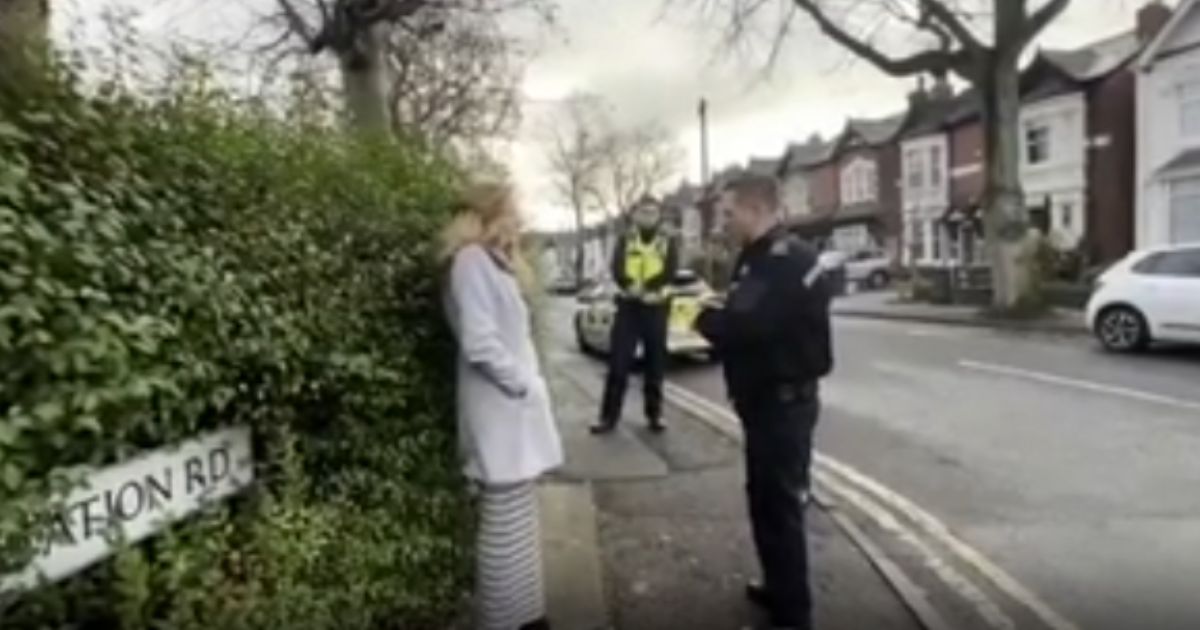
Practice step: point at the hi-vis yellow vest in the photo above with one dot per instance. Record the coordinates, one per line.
(644, 261)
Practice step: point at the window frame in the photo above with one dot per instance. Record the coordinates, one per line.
(915, 167)
(1043, 130)
(936, 166)
(1188, 96)
(1180, 190)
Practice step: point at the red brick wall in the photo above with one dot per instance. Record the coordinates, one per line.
(823, 188)
(966, 149)
(1111, 168)
(890, 202)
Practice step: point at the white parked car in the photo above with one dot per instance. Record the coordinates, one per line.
(869, 269)
(594, 319)
(1151, 295)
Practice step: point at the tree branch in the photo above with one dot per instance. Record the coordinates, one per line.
(928, 61)
(942, 13)
(1035, 23)
(297, 23)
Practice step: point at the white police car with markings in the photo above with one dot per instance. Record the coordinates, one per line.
(598, 310)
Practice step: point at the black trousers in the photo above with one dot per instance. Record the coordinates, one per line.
(644, 324)
(779, 435)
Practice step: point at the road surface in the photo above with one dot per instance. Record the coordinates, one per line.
(1076, 472)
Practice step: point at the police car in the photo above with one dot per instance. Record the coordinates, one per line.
(598, 308)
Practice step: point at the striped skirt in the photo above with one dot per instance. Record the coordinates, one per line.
(508, 588)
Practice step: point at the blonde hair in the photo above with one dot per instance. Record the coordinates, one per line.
(487, 216)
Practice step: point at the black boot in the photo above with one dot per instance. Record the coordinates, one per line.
(603, 427)
(656, 425)
(756, 592)
(540, 624)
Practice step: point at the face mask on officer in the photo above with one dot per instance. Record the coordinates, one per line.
(646, 217)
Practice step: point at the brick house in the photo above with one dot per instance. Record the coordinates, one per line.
(1078, 149)
(941, 181)
(852, 192)
(795, 171)
(1077, 157)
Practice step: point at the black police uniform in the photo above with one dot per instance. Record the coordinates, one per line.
(638, 321)
(773, 336)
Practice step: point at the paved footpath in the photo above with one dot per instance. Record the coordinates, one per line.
(887, 305)
(647, 532)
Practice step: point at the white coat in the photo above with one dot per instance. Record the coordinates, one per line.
(506, 424)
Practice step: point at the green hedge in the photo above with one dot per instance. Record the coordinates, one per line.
(177, 265)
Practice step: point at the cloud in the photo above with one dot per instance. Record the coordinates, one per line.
(655, 67)
(656, 63)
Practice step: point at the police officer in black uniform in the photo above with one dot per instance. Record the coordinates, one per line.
(644, 262)
(773, 335)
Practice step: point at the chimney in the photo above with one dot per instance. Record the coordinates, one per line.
(941, 91)
(918, 97)
(1151, 19)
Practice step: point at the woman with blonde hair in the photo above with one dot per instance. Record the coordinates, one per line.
(507, 433)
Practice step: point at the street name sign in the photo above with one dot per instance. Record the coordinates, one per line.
(134, 499)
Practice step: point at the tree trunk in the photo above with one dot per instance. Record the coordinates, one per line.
(24, 38)
(1006, 219)
(365, 83)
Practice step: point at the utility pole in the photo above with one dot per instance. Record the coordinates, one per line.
(706, 237)
(703, 142)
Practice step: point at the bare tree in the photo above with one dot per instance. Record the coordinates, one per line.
(575, 144)
(357, 32)
(948, 41)
(24, 26)
(457, 88)
(635, 162)
(638, 162)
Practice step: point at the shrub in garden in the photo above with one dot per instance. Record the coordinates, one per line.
(172, 266)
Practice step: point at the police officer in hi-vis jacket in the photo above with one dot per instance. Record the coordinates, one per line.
(644, 263)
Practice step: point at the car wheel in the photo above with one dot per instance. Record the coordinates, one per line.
(878, 279)
(1122, 329)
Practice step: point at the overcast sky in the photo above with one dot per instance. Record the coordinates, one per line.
(656, 64)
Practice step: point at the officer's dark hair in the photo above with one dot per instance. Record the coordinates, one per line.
(763, 189)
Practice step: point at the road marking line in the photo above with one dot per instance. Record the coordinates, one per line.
(931, 525)
(940, 333)
(941, 532)
(914, 597)
(988, 609)
(1101, 388)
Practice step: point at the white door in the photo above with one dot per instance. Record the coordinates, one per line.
(1172, 282)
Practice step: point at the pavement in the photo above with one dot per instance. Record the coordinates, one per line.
(1022, 480)
(888, 305)
(646, 532)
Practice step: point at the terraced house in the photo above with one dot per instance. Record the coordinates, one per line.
(1077, 157)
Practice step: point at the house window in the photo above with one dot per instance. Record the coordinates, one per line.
(1037, 144)
(859, 183)
(916, 170)
(1067, 216)
(935, 166)
(1189, 108)
(1185, 211)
